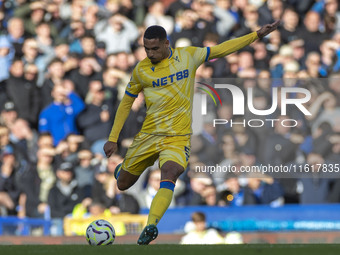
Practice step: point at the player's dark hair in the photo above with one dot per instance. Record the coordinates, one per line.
(155, 32)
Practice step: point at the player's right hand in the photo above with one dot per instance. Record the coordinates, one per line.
(267, 29)
(110, 148)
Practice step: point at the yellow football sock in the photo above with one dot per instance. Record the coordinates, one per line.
(161, 202)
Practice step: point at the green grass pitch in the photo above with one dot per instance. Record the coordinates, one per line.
(173, 249)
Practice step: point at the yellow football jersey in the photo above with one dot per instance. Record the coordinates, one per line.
(168, 87)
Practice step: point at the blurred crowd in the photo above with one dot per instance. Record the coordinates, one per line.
(64, 68)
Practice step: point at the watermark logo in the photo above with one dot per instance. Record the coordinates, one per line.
(280, 98)
(204, 96)
(239, 99)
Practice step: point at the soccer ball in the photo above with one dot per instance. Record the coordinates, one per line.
(100, 232)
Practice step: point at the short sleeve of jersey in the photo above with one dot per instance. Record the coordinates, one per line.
(200, 55)
(134, 86)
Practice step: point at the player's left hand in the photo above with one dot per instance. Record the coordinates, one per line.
(267, 29)
(110, 148)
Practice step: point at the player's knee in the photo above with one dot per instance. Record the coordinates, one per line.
(123, 185)
(171, 171)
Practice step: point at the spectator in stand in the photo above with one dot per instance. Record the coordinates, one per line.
(244, 138)
(199, 185)
(84, 171)
(209, 195)
(265, 190)
(101, 52)
(64, 195)
(185, 27)
(96, 119)
(313, 64)
(274, 43)
(111, 77)
(5, 57)
(59, 117)
(330, 58)
(261, 56)
(33, 14)
(88, 45)
(9, 190)
(229, 157)
(16, 36)
(233, 194)
(16, 75)
(23, 138)
(16, 80)
(37, 182)
(118, 33)
(8, 114)
(90, 18)
(276, 8)
(334, 196)
(44, 140)
(206, 19)
(232, 67)
(177, 6)
(75, 31)
(280, 147)
(250, 22)
(69, 147)
(88, 70)
(45, 42)
(124, 62)
(333, 82)
(30, 51)
(61, 49)
(156, 16)
(332, 17)
(314, 187)
(328, 10)
(311, 33)
(200, 234)
(3, 96)
(31, 56)
(290, 25)
(226, 21)
(23, 91)
(206, 143)
(325, 109)
(245, 60)
(298, 51)
(55, 76)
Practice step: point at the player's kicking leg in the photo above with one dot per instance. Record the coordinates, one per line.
(170, 171)
(124, 179)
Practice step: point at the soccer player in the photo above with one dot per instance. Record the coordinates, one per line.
(166, 78)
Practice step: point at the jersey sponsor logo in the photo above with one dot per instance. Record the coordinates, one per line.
(171, 78)
(152, 68)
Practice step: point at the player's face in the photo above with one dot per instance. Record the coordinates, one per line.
(156, 50)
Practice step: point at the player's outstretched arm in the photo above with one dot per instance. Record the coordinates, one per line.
(230, 46)
(122, 113)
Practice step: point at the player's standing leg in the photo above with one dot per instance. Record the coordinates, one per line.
(170, 171)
